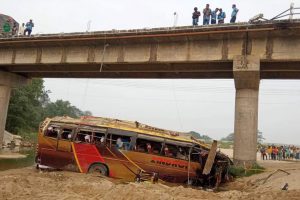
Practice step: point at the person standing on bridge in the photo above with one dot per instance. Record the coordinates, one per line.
(206, 15)
(214, 16)
(221, 16)
(234, 13)
(196, 15)
(21, 29)
(29, 25)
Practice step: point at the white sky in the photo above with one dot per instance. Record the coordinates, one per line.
(205, 106)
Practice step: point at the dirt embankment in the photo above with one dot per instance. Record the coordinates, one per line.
(27, 183)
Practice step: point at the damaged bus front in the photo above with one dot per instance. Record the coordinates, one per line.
(128, 150)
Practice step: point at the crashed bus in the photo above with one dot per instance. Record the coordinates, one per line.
(127, 150)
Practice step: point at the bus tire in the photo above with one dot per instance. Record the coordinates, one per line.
(98, 168)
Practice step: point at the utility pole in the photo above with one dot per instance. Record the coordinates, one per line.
(175, 19)
(88, 25)
(291, 11)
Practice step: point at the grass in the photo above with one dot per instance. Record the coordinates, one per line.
(225, 145)
(29, 136)
(245, 172)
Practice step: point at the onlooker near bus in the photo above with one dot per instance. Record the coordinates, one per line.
(29, 25)
(280, 153)
(234, 13)
(269, 151)
(206, 15)
(221, 16)
(6, 28)
(21, 29)
(263, 153)
(196, 15)
(214, 16)
(297, 153)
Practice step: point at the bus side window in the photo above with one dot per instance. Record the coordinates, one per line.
(182, 153)
(99, 138)
(66, 134)
(170, 150)
(121, 141)
(148, 146)
(52, 132)
(84, 136)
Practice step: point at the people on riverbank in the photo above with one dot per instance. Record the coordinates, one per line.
(280, 152)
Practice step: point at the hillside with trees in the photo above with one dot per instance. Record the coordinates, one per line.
(230, 137)
(197, 135)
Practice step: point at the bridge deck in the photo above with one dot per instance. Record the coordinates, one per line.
(145, 53)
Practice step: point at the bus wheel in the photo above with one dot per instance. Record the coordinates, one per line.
(98, 169)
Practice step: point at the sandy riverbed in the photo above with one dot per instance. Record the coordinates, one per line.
(28, 183)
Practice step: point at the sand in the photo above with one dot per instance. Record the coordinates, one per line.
(29, 183)
(11, 155)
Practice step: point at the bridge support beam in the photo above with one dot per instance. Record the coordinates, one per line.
(246, 71)
(7, 82)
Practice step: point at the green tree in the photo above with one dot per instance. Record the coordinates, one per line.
(26, 107)
(230, 137)
(197, 135)
(64, 108)
(30, 104)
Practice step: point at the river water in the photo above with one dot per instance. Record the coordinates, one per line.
(6, 164)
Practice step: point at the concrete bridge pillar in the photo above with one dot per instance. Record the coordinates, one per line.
(246, 71)
(7, 82)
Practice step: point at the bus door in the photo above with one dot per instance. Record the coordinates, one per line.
(48, 145)
(64, 153)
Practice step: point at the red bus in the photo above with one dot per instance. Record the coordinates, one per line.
(124, 149)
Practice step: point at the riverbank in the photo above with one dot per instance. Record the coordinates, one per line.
(7, 153)
(16, 158)
(28, 183)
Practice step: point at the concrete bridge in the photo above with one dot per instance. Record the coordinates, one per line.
(245, 52)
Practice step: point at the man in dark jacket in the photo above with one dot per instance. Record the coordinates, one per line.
(196, 15)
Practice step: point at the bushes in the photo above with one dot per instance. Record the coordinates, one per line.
(244, 172)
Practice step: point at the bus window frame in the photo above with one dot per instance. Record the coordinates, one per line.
(120, 133)
(97, 130)
(58, 132)
(91, 129)
(72, 133)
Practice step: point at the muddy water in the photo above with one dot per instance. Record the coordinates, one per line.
(6, 164)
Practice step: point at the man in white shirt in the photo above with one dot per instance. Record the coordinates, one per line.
(119, 143)
(21, 29)
(87, 138)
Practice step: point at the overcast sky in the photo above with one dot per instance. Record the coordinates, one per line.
(205, 106)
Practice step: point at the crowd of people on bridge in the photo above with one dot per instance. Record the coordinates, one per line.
(280, 152)
(210, 16)
(213, 16)
(10, 28)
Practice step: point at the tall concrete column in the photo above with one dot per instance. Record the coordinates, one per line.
(246, 71)
(7, 82)
(4, 101)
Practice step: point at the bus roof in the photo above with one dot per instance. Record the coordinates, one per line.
(128, 126)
